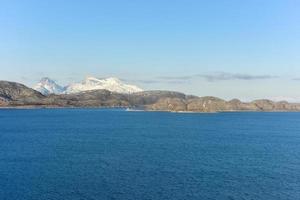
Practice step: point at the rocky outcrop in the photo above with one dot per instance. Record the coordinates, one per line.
(168, 104)
(236, 104)
(3, 102)
(95, 98)
(15, 94)
(267, 105)
(151, 97)
(206, 104)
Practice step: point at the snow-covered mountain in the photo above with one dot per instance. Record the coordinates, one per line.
(111, 84)
(47, 86)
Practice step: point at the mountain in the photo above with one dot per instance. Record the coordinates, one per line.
(16, 95)
(47, 86)
(111, 84)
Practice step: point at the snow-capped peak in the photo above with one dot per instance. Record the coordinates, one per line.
(112, 84)
(48, 86)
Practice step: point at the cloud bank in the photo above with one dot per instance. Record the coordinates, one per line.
(212, 77)
(220, 76)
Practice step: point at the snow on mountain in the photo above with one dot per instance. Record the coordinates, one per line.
(111, 84)
(47, 86)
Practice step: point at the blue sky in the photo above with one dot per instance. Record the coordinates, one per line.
(230, 48)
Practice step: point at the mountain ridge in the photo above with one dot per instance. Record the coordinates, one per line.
(48, 86)
(18, 95)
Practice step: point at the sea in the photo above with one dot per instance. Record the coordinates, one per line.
(114, 154)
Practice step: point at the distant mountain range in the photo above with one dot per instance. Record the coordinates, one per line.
(17, 95)
(48, 86)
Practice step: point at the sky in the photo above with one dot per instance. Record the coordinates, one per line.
(226, 48)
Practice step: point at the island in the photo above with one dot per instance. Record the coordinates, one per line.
(16, 95)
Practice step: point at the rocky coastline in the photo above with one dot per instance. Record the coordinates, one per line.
(16, 95)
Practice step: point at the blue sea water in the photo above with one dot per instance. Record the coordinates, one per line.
(99, 154)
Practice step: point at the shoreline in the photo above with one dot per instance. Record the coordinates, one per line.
(127, 109)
